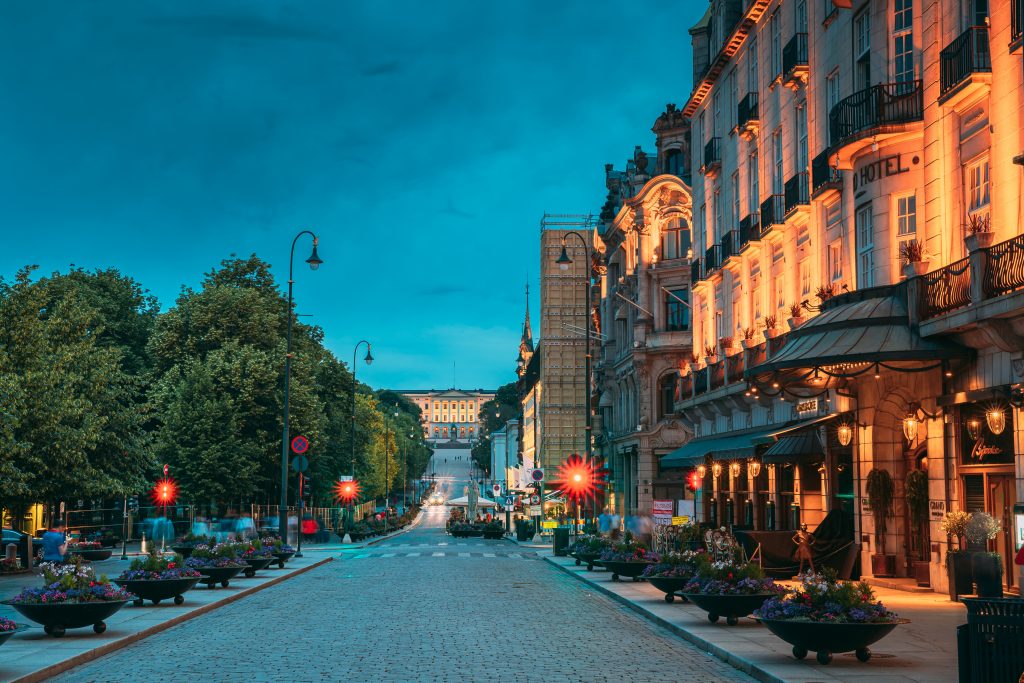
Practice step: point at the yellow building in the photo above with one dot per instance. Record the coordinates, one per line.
(449, 415)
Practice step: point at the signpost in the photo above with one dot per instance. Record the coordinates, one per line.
(680, 520)
(300, 445)
(300, 463)
(661, 511)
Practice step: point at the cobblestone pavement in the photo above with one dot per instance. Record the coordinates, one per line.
(419, 607)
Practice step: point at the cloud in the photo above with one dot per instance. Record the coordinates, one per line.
(381, 69)
(251, 27)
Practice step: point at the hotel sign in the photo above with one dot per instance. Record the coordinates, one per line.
(883, 168)
(809, 407)
(978, 444)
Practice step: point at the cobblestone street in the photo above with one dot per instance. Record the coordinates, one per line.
(419, 607)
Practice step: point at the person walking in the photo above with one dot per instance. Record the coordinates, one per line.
(55, 543)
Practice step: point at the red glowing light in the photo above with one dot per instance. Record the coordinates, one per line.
(165, 491)
(693, 481)
(346, 490)
(579, 478)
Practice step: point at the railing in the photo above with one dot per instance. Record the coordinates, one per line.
(797, 193)
(730, 245)
(685, 387)
(700, 381)
(823, 173)
(1004, 268)
(772, 211)
(746, 110)
(946, 289)
(696, 272)
(734, 368)
(750, 229)
(775, 345)
(794, 54)
(712, 259)
(878, 105)
(712, 155)
(757, 354)
(966, 55)
(717, 372)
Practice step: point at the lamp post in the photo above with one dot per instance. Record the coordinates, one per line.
(405, 477)
(314, 262)
(564, 262)
(387, 466)
(352, 441)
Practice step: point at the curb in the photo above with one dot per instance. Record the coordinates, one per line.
(729, 658)
(78, 660)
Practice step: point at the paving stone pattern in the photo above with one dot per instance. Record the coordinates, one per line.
(467, 611)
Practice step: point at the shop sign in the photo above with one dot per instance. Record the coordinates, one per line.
(808, 407)
(865, 506)
(681, 520)
(978, 444)
(883, 168)
(661, 511)
(936, 509)
(549, 525)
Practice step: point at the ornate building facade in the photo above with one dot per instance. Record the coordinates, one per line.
(858, 297)
(449, 415)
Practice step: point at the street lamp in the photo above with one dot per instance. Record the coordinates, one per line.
(564, 262)
(314, 262)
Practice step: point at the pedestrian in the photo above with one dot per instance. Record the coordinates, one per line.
(55, 543)
(604, 522)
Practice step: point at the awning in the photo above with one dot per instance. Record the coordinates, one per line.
(800, 447)
(863, 326)
(719, 447)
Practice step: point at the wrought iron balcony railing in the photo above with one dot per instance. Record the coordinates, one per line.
(747, 111)
(696, 270)
(730, 245)
(750, 229)
(773, 212)
(712, 259)
(878, 105)
(823, 174)
(967, 54)
(712, 155)
(794, 58)
(797, 192)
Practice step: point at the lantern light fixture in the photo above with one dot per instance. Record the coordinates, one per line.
(910, 427)
(844, 432)
(754, 467)
(734, 469)
(716, 470)
(995, 417)
(878, 372)
(701, 471)
(974, 427)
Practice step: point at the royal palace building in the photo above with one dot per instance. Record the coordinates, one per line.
(450, 415)
(857, 280)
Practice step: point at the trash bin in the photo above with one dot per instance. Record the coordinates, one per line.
(995, 629)
(561, 545)
(963, 654)
(26, 549)
(524, 531)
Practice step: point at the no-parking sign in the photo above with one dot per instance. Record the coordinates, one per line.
(300, 445)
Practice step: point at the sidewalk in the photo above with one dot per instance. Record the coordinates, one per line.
(34, 656)
(923, 651)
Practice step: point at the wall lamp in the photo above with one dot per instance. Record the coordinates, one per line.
(913, 420)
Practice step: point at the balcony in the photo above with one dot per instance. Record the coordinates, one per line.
(712, 157)
(700, 381)
(750, 230)
(797, 194)
(748, 118)
(730, 245)
(873, 114)
(965, 67)
(696, 272)
(712, 260)
(794, 62)
(946, 289)
(826, 180)
(772, 212)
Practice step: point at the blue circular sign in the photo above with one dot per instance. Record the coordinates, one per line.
(300, 445)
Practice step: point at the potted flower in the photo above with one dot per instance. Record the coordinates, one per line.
(912, 256)
(696, 361)
(987, 567)
(825, 616)
(958, 560)
(72, 596)
(218, 563)
(729, 588)
(8, 628)
(826, 291)
(796, 316)
(184, 545)
(916, 492)
(880, 492)
(979, 232)
(748, 337)
(726, 344)
(11, 565)
(628, 558)
(90, 551)
(771, 327)
(673, 571)
(156, 578)
(494, 531)
(256, 555)
(588, 549)
(711, 353)
(280, 550)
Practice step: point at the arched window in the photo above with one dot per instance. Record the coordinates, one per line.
(471, 431)
(667, 394)
(675, 239)
(435, 432)
(462, 432)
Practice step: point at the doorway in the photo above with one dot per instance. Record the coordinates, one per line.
(995, 493)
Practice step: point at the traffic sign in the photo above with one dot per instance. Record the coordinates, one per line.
(535, 500)
(537, 474)
(496, 488)
(510, 501)
(345, 477)
(300, 445)
(300, 463)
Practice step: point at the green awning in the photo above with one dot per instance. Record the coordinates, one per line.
(719, 447)
(802, 447)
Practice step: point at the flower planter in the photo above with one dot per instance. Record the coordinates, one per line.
(670, 586)
(883, 565)
(589, 559)
(494, 535)
(57, 617)
(988, 574)
(183, 550)
(961, 579)
(222, 575)
(256, 564)
(156, 590)
(979, 240)
(630, 569)
(825, 638)
(732, 607)
(92, 555)
(283, 557)
(915, 268)
(4, 635)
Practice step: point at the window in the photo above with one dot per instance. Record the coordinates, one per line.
(779, 278)
(775, 25)
(753, 193)
(718, 215)
(667, 392)
(702, 217)
(716, 115)
(444, 432)
(977, 186)
(699, 136)
(733, 101)
(462, 432)
(978, 13)
(805, 276)
(865, 247)
(862, 35)
(777, 180)
(675, 239)
(755, 291)
(906, 215)
(801, 138)
(903, 15)
(801, 16)
(831, 90)
(677, 310)
(735, 200)
(752, 82)
(674, 163)
(435, 432)
(835, 260)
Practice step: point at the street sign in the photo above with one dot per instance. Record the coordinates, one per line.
(510, 501)
(537, 474)
(535, 511)
(535, 500)
(680, 520)
(300, 463)
(300, 445)
(345, 477)
(496, 488)
(550, 525)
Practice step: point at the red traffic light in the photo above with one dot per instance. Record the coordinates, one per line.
(346, 490)
(693, 481)
(580, 478)
(165, 491)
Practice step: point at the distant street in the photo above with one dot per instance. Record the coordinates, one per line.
(419, 607)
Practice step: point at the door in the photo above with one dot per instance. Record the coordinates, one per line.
(1001, 498)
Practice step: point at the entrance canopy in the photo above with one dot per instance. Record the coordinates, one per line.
(734, 445)
(802, 447)
(462, 502)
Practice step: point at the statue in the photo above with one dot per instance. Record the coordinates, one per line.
(804, 540)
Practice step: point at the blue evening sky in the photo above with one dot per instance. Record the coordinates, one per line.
(422, 141)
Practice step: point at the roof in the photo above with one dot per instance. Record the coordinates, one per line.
(864, 326)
